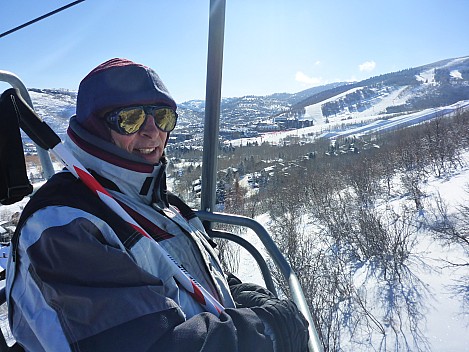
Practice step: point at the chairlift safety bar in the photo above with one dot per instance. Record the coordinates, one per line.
(15, 82)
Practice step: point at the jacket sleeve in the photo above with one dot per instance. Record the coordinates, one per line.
(96, 298)
(234, 330)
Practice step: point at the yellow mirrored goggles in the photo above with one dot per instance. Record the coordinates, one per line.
(130, 120)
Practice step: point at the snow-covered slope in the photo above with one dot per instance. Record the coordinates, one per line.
(446, 318)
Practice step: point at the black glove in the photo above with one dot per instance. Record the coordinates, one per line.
(289, 326)
(246, 295)
(232, 279)
(250, 295)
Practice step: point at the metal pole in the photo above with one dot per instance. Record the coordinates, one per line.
(212, 103)
(15, 82)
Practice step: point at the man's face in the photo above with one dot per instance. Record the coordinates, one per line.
(148, 142)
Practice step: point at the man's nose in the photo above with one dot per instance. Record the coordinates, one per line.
(149, 126)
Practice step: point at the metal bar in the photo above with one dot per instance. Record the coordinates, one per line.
(269, 283)
(44, 156)
(212, 103)
(314, 344)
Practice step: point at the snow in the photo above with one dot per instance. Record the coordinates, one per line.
(249, 269)
(427, 77)
(446, 326)
(456, 74)
(378, 105)
(456, 61)
(314, 111)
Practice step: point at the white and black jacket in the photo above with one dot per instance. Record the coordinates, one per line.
(80, 279)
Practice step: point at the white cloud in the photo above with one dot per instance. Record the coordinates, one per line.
(367, 66)
(311, 81)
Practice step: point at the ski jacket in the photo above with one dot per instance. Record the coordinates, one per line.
(80, 279)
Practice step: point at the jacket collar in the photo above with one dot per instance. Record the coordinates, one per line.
(116, 169)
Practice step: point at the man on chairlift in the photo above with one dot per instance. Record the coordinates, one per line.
(80, 278)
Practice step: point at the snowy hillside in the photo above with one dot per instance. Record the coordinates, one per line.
(385, 96)
(445, 312)
(54, 106)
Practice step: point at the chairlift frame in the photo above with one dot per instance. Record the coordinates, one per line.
(209, 174)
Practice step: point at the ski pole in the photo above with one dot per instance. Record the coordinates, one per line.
(46, 138)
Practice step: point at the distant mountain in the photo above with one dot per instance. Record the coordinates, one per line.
(243, 110)
(437, 84)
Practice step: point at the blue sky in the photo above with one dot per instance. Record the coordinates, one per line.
(270, 46)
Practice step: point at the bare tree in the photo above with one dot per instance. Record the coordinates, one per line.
(452, 230)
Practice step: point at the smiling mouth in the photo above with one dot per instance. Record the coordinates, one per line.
(146, 150)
